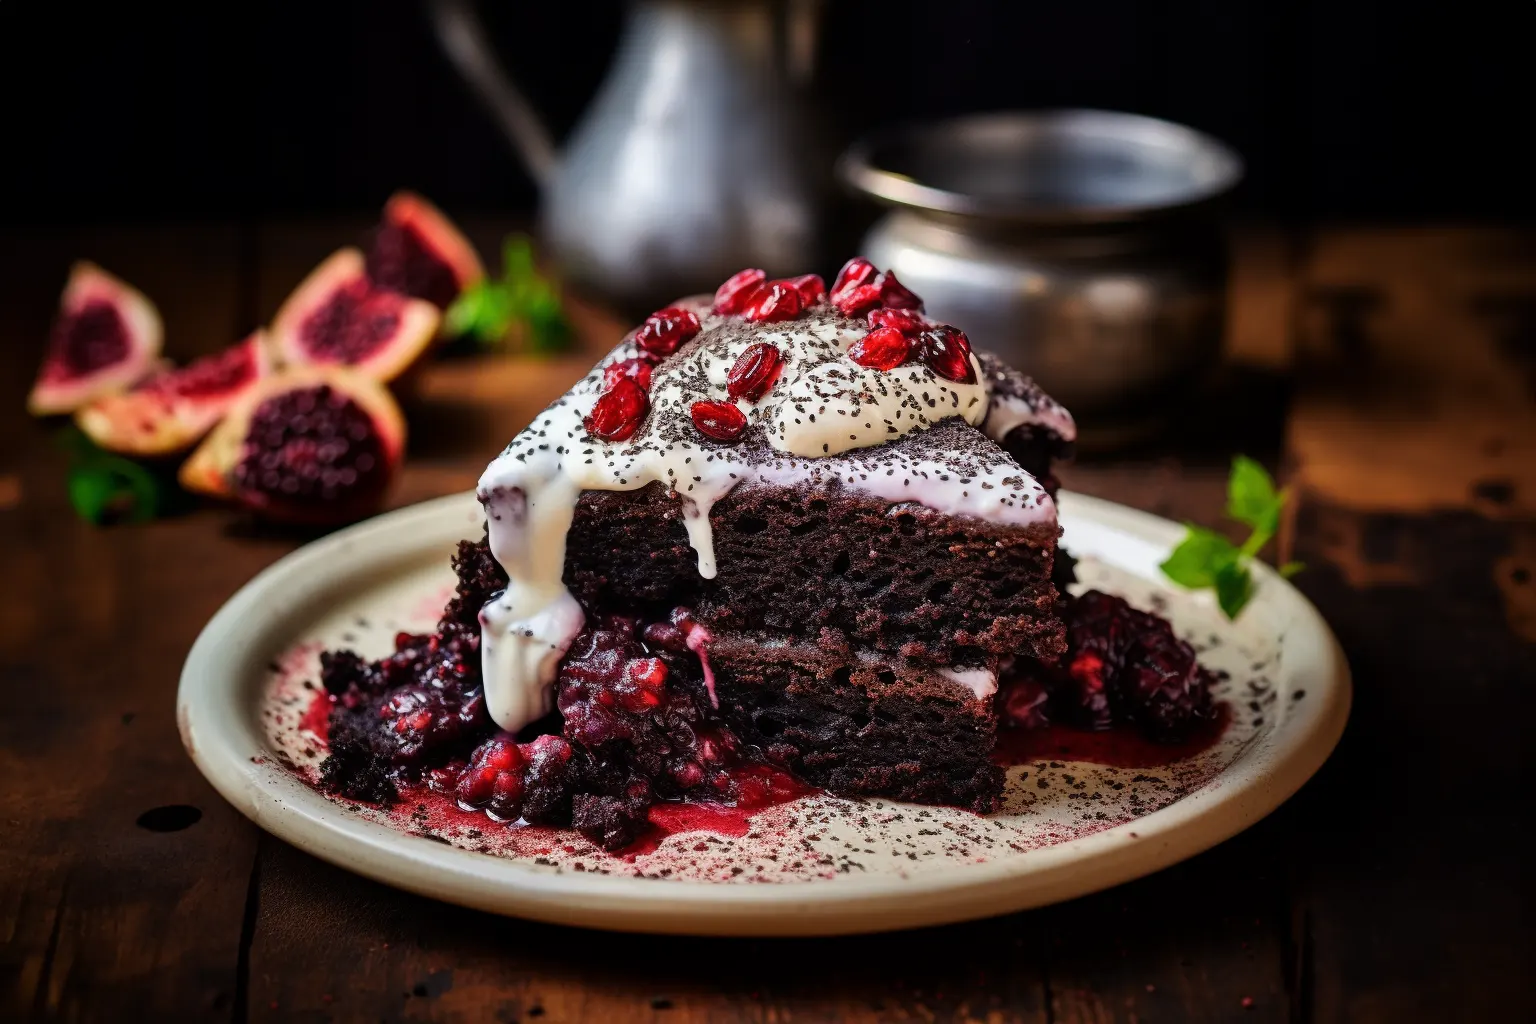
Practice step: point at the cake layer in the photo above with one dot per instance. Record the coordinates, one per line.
(900, 578)
(859, 725)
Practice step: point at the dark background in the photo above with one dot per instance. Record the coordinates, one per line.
(1360, 109)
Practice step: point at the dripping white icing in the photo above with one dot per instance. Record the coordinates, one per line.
(823, 423)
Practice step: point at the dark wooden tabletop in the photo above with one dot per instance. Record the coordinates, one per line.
(1388, 373)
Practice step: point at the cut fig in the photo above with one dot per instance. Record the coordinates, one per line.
(311, 444)
(106, 338)
(171, 410)
(339, 317)
(417, 251)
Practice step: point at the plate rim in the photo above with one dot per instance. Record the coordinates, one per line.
(216, 720)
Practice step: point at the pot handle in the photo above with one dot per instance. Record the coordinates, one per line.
(463, 38)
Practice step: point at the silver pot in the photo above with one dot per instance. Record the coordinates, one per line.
(1080, 245)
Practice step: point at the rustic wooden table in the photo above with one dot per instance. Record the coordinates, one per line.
(1389, 374)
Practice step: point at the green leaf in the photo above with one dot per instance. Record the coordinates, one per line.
(1198, 558)
(1290, 569)
(483, 312)
(517, 262)
(1234, 586)
(106, 489)
(1251, 496)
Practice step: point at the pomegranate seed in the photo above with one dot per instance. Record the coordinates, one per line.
(904, 320)
(730, 296)
(721, 421)
(618, 411)
(508, 787)
(688, 775)
(811, 287)
(647, 672)
(502, 755)
(883, 348)
(545, 748)
(755, 371)
(857, 299)
(897, 295)
(776, 300)
(948, 351)
(855, 272)
(666, 329)
(637, 370)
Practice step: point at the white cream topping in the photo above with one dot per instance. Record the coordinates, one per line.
(1017, 401)
(980, 681)
(822, 422)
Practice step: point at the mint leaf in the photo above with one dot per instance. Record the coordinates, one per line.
(522, 307)
(1251, 496)
(1195, 562)
(1207, 559)
(517, 262)
(108, 489)
(483, 312)
(1234, 586)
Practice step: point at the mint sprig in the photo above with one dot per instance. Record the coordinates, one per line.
(1206, 559)
(522, 308)
(106, 488)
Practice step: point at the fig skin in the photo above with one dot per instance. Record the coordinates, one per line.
(345, 271)
(157, 418)
(210, 468)
(59, 390)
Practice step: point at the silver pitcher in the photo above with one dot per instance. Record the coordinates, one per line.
(1080, 245)
(691, 163)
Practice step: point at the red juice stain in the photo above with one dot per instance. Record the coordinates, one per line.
(760, 786)
(317, 719)
(1121, 747)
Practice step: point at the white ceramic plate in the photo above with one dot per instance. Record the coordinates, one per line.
(820, 865)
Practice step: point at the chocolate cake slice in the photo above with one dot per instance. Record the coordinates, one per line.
(792, 469)
(775, 528)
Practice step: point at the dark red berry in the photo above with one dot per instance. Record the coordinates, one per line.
(1125, 665)
(720, 421)
(666, 329)
(811, 287)
(637, 370)
(755, 371)
(618, 411)
(904, 320)
(729, 297)
(492, 759)
(897, 295)
(771, 302)
(883, 348)
(948, 352)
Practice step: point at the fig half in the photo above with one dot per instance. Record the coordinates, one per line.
(310, 444)
(418, 251)
(339, 317)
(171, 410)
(106, 337)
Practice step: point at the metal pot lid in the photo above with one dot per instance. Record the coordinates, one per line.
(1049, 167)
